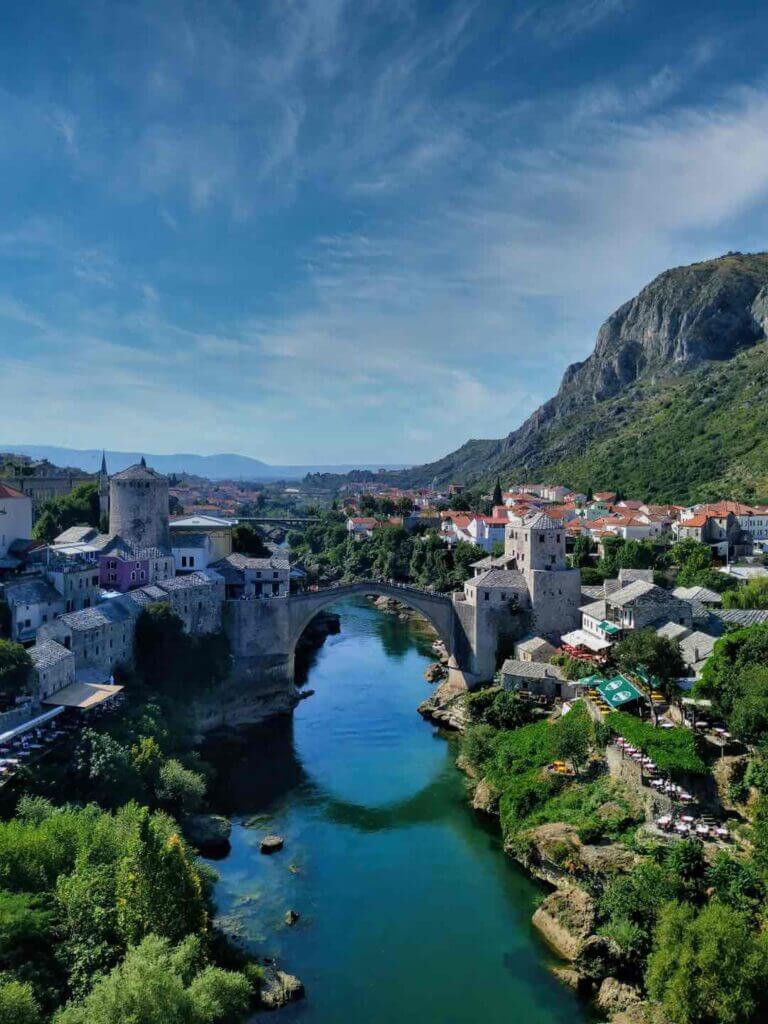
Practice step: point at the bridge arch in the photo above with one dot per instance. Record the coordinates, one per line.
(436, 608)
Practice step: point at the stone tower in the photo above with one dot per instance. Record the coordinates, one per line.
(537, 544)
(103, 489)
(538, 547)
(138, 507)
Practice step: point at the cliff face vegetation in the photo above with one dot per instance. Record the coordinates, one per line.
(671, 405)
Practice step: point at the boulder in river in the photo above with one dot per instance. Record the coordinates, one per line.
(566, 919)
(278, 988)
(208, 833)
(615, 996)
(291, 917)
(435, 672)
(271, 844)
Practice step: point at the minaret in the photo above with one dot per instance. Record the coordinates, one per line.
(103, 489)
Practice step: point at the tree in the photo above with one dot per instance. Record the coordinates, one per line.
(657, 655)
(582, 551)
(707, 967)
(748, 718)
(46, 527)
(497, 498)
(460, 503)
(246, 540)
(179, 789)
(160, 645)
(107, 770)
(732, 653)
(753, 595)
(573, 737)
(15, 667)
(17, 1003)
(160, 984)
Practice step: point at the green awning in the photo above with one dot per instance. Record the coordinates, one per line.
(587, 681)
(608, 627)
(619, 690)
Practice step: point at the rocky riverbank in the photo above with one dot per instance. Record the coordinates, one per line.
(555, 855)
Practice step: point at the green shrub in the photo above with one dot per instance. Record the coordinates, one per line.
(673, 750)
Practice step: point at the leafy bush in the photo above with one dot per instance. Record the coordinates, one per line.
(673, 750)
(708, 966)
(158, 984)
(502, 709)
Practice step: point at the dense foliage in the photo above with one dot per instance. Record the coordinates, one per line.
(659, 656)
(15, 667)
(80, 886)
(673, 750)
(81, 507)
(172, 662)
(329, 553)
(736, 678)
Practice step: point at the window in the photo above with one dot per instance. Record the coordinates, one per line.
(541, 538)
(45, 618)
(133, 577)
(503, 596)
(552, 559)
(183, 561)
(142, 575)
(191, 561)
(486, 595)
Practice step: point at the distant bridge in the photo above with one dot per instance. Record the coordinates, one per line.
(279, 520)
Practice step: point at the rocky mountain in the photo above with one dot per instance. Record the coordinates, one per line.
(687, 355)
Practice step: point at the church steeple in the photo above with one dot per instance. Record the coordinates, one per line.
(143, 462)
(103, 470)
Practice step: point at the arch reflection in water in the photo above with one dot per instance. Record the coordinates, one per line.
(409, 910)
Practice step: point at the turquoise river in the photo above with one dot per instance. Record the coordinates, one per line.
(409, 910)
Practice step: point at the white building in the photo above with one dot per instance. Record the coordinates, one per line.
(15, 521)
(191, 551)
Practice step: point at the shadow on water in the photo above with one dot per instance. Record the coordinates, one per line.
(409, 910)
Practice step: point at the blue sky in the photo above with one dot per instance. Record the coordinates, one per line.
(340, 230)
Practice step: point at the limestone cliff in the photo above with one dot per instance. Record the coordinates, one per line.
(694, 332)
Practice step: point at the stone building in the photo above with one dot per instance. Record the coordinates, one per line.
(217, 529)
(138, 507)
(254, 577)
(33, 603)
(537, 546)
(53, 668)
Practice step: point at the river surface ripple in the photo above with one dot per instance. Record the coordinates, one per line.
(409, 910)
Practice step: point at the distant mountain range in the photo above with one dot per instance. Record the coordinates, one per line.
(213, 467)
(672, 405)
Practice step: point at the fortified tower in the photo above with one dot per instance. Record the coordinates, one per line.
(538, 547)
(138, 507)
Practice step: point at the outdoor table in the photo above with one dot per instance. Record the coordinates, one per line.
(667, 725)
(701, 724)
(680, 827)
(686, 817)
(657, 783)
(703, 830)
(665, 819)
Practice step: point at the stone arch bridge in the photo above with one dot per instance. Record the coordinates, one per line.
(438, 609)
(264, 631)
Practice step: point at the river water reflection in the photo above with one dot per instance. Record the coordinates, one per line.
(409, 911)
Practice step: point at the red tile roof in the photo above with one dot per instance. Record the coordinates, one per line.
(10, 492)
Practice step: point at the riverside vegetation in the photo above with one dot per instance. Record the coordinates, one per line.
(105, 911)
(659, 930)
